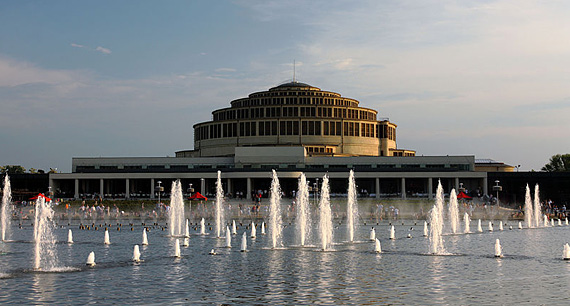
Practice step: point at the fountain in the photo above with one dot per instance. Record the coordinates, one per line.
(234, 228)
(425, 229)
(392, 233)
(436, 223)
(303, 211)
(377, 246)
(500, 225)
(325, 219)
(262, 228)
(352, 206)
(176, 212)
(202, 227)
(69, 237)
(559, 222)
(520, 225)
(537, 209)
(566, 221)
(467, 221)
(566, 252)
(136, 254)
(453, 211)
(545, 221)
(528, 210)
(253, 230)
(228, 238)
(551, 222)
(490, 226)
(498, 249)
(144, 238)
(44, 238)
(6, 207)
(274, 212)
(219, 205)
(187, 229)
(186, 242)
(479, 227)
(177, 248)
(107, 240)
(372, 234)
(244, 242)
(91, 259)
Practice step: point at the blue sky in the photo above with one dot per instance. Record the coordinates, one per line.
(130, 78)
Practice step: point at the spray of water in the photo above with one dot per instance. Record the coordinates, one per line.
(6, 207)
(453, 212)
(467, 221)
(176, 212)
(45, 252)
(219, 205)
(351, 207)
(303, 211)
(436, 223)
(537, 207)
(275, 224)
(528, 209)
(325, 220)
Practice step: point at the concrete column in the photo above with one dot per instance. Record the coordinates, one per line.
(101, 188)
(485, 187)
(230, 187)
(457, 185)
(248, 192)
(403, 188)
(378, 188)
(430, 188)
(203, 186)
(152, 188)
(127, 189)
(76, 196)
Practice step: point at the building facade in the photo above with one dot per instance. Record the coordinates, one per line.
(293, 128)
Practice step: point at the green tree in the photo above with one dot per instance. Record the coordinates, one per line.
(12, 169)
(558, 163)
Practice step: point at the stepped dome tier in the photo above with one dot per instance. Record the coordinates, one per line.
(296, 114)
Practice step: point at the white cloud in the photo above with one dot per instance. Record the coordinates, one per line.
(226, 70)
(98, 49)
(103, 50)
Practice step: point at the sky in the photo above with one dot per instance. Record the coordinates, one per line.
(130, 78)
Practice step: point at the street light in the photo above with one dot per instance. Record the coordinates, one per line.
(497, 188)
(316, 191)
(517, 167)
(159, 189)
(190, 190)
(461, 188)
(50, 193)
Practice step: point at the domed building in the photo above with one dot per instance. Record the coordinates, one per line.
(296, 114)
(292, 128)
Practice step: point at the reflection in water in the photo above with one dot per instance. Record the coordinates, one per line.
(43, 288)
(436, 278)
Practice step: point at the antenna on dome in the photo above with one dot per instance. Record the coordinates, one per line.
(294, 81)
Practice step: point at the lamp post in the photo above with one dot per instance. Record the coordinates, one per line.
(461, 188)
(190, 190)
(517, 167)
(316, 191)
(50, 193)
(497, 188)
(159, 189)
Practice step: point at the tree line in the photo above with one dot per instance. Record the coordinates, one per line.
(17, 169)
